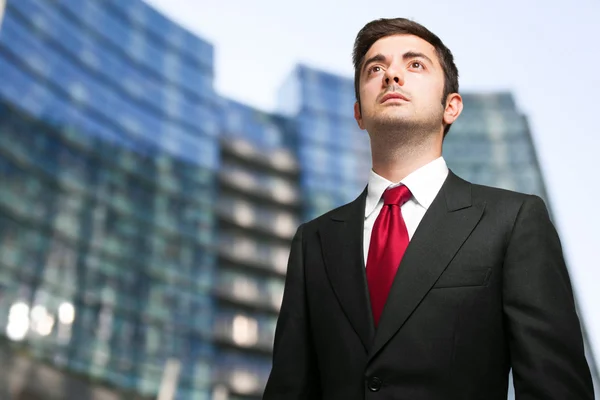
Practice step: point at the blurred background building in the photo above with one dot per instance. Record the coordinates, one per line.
(145, 220)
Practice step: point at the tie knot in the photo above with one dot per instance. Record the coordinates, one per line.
(397, 195)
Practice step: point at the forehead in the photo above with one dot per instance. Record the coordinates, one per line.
(400, 44)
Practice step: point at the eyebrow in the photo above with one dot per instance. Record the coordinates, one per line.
(415, 54)
(408, 55)
(376, 58)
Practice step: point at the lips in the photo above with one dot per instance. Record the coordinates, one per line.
(391, 96)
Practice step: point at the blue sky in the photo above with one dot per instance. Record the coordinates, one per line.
(545, 52)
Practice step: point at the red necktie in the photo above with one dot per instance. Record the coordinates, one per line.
(388, 244)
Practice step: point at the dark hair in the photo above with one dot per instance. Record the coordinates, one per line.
(380, 28)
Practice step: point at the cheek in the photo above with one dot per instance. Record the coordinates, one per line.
(437, 90)
(430, 96)
(365, 92)
(369, 92)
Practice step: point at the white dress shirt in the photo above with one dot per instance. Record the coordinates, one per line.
(424, 184)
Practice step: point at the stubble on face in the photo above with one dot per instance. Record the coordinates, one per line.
(400, 124)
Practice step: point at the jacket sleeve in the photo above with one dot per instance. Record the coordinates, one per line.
(544, 333)
(294, 374)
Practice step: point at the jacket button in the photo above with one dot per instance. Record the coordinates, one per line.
(374, 384)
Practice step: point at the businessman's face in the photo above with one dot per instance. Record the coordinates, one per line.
(401, 86)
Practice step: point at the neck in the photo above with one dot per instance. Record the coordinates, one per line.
(396, 162)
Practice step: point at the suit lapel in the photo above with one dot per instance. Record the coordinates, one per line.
(342, 244)
(446, 225)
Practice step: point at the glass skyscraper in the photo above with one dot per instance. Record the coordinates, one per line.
(258, 207)
(109, 143)
(145, 219)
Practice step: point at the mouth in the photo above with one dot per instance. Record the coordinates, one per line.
(393, 97)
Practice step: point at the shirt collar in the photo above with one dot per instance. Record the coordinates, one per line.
(424, 184)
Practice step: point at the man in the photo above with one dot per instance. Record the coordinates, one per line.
(481, 288)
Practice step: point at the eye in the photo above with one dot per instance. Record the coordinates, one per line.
(374, 68)
(416, 65)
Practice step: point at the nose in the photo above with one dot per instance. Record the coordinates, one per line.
(394, 75)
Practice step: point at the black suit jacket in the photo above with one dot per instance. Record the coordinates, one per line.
(482, 288)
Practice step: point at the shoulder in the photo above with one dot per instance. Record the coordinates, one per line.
(492, 195)
(350, 212)
(340, 211)
(495, 195)
(507, 202)
(507, 210)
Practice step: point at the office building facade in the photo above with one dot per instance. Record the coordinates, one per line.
(258, 211)
(109, 141)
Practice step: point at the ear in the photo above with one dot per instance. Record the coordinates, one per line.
(358, 116)
(454, 106)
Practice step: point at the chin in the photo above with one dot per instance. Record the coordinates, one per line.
(394, 119)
